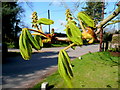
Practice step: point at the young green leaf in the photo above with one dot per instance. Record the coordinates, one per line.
(45, 21)
(65, 68)
(86, 19)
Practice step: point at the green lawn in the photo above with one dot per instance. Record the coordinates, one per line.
(94, 70)
(60, 45)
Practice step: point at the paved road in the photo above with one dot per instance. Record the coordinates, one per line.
(19, 73)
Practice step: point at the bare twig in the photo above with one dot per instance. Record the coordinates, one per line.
(82, 25)
(69, 46)
(39, 32)
(41, 28)
(62, 39)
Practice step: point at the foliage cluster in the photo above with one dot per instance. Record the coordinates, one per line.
(10, 19)
(94, 10)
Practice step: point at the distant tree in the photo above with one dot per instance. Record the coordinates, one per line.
(10, 20)
(94, 10)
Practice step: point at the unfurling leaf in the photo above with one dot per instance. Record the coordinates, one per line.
(65, 67)
(38, 40)
(86, 19)
(26, 41)
(45, 21)
(74, 33)
(89, 35)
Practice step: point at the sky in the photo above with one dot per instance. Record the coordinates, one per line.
(57, 13)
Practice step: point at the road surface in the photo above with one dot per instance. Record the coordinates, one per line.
(19, 73)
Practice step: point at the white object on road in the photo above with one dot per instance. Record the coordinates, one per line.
(44, 86)
(79, 57)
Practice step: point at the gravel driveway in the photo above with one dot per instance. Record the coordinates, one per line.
(19, 73)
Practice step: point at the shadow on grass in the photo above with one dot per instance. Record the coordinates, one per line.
(50, 87)
(110, 58)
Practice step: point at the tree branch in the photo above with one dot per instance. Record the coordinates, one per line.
(39, 32)
(69, 46)
(62, 39)
(110, 17)
(82, 25)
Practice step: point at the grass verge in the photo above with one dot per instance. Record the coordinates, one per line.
(94, 70)
(60, 45)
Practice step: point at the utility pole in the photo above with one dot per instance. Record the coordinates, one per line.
(49, 18)
(101, 29)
